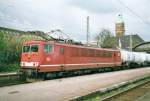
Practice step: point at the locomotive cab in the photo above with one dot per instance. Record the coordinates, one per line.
(30, 58)
(34, 55)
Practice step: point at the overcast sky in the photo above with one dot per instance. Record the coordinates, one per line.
(70, 16)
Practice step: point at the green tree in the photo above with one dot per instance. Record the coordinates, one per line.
(2, 43)
(102, 36)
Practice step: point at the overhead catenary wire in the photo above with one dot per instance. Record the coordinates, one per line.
(134, 13)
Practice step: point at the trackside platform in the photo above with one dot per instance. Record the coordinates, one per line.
(68, 88)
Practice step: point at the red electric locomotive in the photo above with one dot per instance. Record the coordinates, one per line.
(45, 57)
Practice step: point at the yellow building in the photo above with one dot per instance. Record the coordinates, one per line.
(120, 28)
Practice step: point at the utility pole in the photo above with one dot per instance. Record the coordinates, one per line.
(87, 31)
(131, 42)
(120, 45)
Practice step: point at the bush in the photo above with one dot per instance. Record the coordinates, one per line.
(9, 67)
(10, 49)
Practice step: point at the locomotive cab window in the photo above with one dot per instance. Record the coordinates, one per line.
(34, 48)
(48, 49)
(26, 49)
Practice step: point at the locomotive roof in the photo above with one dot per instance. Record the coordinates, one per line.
(34, 42)
(65, 44)
(81, 46)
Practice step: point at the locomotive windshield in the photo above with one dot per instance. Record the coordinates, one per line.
(32, 48)
(26, 49)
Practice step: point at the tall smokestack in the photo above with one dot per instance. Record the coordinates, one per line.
(87, 30)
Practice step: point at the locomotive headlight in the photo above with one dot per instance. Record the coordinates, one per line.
(22, 64)
(34, 64)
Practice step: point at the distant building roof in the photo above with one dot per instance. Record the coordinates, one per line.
(16, 32)
(113, 42)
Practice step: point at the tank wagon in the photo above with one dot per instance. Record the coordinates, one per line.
(135, 58)
(46, 58)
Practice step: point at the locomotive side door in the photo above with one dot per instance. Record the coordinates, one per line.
(48, 54)
(62, 55)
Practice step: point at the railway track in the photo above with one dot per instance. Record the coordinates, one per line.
(7, 79)
(139, 93)
(133, 90)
